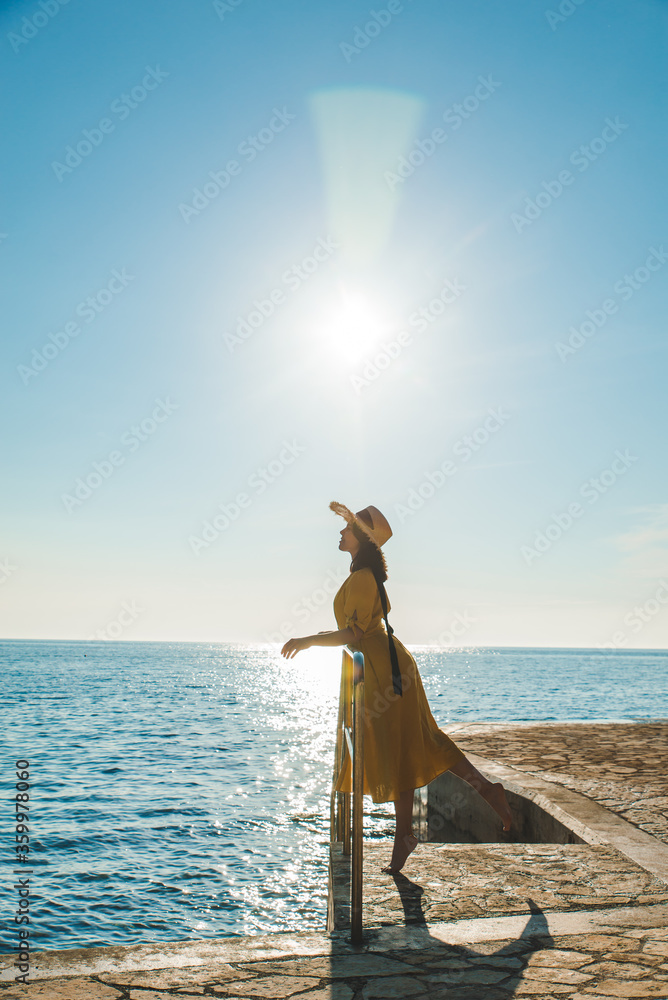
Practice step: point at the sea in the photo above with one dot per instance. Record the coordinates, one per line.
(181, 790)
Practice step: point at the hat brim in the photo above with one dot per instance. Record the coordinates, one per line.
(350, 518)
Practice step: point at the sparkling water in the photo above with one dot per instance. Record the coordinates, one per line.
(181, 790)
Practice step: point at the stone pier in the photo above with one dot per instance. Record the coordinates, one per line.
(581, 916)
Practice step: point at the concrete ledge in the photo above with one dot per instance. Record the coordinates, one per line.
(166, 955)
(591, 822)
(622, 766)
(450, 811)
(225, 951)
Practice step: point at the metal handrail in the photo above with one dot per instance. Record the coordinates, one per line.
(350, 740)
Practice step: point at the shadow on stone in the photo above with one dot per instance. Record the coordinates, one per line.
(467, 973)
(410, 894)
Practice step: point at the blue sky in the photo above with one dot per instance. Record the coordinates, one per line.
(281, 254)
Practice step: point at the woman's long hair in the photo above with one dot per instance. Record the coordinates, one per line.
(369, 556)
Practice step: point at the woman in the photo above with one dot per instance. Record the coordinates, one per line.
(403, 747)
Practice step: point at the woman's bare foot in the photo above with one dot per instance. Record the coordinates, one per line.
(402, 848)
(491, 791)
(496, 797)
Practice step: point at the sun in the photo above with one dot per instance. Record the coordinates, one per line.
(353, 327)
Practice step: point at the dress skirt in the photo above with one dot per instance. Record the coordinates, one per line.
(403, 745)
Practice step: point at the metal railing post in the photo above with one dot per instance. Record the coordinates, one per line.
(347, 685)
(358, 800)
(350, 740)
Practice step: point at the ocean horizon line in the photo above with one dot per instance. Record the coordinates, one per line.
(263, 644)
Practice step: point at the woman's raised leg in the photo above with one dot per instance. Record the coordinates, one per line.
(491, 791)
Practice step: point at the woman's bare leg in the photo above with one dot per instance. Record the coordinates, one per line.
(404, 839)
(491, 791)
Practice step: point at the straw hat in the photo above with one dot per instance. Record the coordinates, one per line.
(379, 531)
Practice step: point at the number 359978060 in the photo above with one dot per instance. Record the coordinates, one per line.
(22, 800)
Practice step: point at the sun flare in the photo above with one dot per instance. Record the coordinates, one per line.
(353, 327)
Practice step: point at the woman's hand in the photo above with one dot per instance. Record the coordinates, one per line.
(340, 638)
(294, 646)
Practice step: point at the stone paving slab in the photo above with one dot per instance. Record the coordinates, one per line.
(627, 960)
(622, 766)
(454, 881)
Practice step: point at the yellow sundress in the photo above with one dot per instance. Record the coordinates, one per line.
(403, 746)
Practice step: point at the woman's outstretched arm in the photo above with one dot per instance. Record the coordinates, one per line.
(340, 638)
